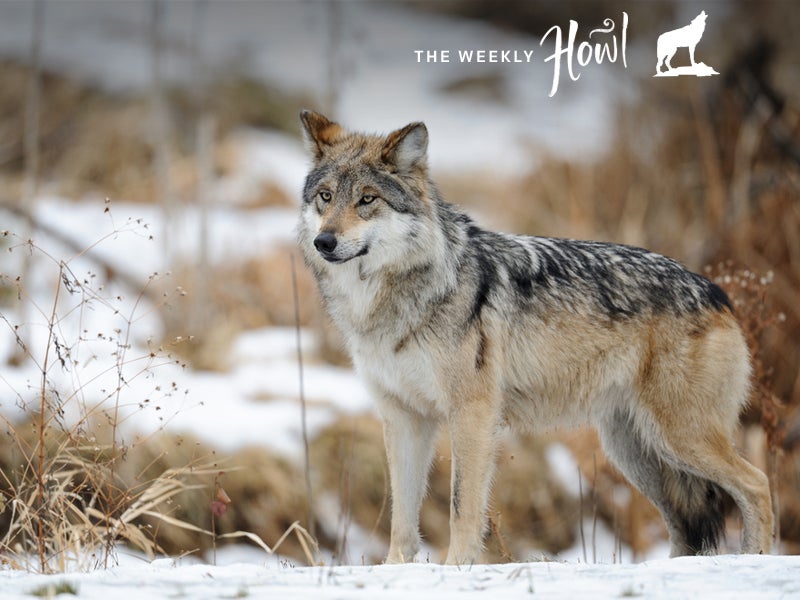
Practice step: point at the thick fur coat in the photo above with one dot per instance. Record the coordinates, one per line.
(450, 323)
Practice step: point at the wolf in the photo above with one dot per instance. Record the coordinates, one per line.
(449, 323)
(684, 37)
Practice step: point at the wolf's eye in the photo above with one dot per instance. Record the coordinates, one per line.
(367, 199)
(325, 196)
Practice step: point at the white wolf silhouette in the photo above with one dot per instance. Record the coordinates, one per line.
(685, 37)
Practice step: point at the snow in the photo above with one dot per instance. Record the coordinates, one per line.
(256, 403)
(709, 578)
(86, 222)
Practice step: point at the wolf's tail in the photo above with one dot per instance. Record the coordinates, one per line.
(660, 54)
(697, 508)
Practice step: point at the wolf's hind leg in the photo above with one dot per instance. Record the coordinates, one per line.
(409, 438)
(710, 455)
(668, 59)
(691, 506)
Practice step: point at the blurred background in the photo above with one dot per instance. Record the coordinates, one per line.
(150, 169)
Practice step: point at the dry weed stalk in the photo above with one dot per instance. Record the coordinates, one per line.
(303, 411)
(65, 500)
(65, 504)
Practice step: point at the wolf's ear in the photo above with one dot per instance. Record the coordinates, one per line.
(406, 148)
(320, 132)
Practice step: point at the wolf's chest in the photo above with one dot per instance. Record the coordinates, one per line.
(411, 374)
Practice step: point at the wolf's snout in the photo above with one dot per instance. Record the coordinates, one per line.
(325, 242)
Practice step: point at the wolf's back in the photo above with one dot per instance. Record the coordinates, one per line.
(615, 281)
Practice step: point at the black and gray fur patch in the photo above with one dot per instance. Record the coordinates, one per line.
(313, 181)
(625, 280)
(485, 255)
(618, 281)
(394, 192)
(483, 348)
(349, 182)
(455, 500)
(698, 507)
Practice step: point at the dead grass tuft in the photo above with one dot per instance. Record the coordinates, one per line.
(72, 487)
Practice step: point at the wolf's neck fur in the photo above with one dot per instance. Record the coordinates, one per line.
(368, 294)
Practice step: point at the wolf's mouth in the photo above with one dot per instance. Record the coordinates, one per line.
(331, 257)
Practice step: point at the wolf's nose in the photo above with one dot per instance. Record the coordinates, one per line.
(325, 242)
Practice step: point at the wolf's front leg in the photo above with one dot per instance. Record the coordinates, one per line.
(473, 435)
(409, 438)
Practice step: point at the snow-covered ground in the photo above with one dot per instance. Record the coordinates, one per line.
(706, 578)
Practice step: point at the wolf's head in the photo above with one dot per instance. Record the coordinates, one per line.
(700, 19)
(365, 195)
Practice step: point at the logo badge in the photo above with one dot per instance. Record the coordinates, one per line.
(685, 37)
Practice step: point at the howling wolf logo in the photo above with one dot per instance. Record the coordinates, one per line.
(451, 323)
(685, 37)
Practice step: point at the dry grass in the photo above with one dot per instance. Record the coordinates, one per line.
(94, 501)
(63, 502)
(72, 487)
(251, 294)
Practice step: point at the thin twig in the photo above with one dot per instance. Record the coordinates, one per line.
(127, 279)
(307, 465)
(580, 522)
(43, 421)
(594, 509)
(505, 553)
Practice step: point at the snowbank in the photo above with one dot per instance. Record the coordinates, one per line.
(711, 578)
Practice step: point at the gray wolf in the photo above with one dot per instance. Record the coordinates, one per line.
(685, 37)
(450, 323)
